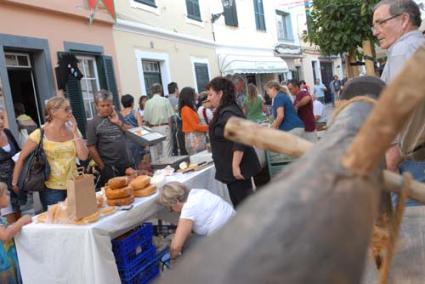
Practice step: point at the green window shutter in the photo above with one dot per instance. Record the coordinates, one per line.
(231, 15)
(259, 15)
(193, 11)
(202, 76)
(107, 78)
(74, 95)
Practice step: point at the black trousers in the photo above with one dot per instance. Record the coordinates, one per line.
(109, 172)
(239, 190)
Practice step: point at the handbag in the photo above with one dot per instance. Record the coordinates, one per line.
(36, 169)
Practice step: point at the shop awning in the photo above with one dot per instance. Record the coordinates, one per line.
(232, 64)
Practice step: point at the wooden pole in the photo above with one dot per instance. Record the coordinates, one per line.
(250, 133)
(352, 70)
(368, 54)
(394, 107)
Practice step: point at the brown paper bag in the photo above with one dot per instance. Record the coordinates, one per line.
(81, 196)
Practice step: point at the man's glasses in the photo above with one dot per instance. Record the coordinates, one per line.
(380, 23)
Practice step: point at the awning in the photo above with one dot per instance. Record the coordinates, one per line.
(232, 64)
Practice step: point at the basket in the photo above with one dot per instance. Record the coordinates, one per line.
(129, 249)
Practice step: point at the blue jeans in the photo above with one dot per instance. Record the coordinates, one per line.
(417, 169)
(51, 196)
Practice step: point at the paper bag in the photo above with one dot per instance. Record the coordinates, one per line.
(81, 196)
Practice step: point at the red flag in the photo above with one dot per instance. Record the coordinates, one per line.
(109, 5)
(92, 4)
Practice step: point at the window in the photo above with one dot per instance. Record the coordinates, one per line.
(147, 2)
(284, 27)
(89, 83)
(259, 15)
(231, 15)
(193, 11)
(151, 73)
(17, 60)
(201, 75)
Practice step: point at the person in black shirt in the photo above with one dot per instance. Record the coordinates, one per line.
(235, 163)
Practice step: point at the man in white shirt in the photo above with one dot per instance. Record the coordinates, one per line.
(320, 114)
(395, 25)
(158, 115)
(319, 91)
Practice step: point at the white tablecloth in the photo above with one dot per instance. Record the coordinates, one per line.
(51, 253)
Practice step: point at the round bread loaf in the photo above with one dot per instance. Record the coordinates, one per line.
(151, 189)
(89, 219)
(119, 193)
(117, 182)
(42, 218)
(140, 182)
(121, 201)
(51, 213)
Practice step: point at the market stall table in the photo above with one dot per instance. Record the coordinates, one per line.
(54, 253)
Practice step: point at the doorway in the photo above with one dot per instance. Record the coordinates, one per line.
(22, 84)
(327, 76)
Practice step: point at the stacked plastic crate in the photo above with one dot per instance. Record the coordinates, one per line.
(135, 255)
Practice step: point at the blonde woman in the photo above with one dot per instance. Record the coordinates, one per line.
(253, 106)
(200, 211)
(285, 115)
(62, 143)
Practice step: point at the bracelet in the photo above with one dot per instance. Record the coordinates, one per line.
(78, 139)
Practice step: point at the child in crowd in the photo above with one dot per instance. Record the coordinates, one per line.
(9, 267)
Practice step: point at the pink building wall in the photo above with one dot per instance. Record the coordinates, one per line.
(58, 21)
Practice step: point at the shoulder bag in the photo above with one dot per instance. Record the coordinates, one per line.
(36, 169)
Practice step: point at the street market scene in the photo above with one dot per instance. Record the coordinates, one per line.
(212, 141)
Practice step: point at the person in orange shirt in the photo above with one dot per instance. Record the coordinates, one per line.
(194, 131)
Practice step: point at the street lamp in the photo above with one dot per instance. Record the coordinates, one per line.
(226, 4)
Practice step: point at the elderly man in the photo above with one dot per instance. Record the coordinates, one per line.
(239, 83)
(395, 25)
(106, 140)
(159, 114)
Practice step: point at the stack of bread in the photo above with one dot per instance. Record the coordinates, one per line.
(118, 192)
(141, 186)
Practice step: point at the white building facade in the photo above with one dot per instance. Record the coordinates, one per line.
(311, 64)
(163, 41)
(245, 37)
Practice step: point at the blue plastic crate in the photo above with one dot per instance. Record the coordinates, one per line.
(144, 260)
(144, 277)
(129, 248)
(148, 272)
